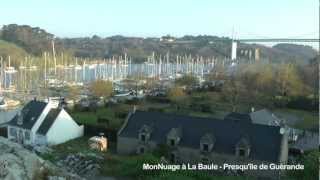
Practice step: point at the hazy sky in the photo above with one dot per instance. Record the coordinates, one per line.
(248, 18)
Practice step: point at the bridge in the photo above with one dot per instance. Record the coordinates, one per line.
(269, 40)
(277, 40)
(258, 40)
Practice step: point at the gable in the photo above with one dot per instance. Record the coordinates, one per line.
(30, 113)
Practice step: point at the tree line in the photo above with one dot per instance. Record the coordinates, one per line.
(36, 40)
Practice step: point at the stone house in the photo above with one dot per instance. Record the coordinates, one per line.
(203, 140)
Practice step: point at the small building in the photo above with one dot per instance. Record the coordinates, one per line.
(43, 123)
(167, 38)
(307, 141)
(265, 117)
(195, 139)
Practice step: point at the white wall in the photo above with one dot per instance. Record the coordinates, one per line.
(18, 130)
(41, 140)
(63, 129)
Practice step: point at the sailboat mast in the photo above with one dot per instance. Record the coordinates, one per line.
(54, 57)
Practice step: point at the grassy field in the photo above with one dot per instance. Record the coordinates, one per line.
(109, 113)
(213, 104)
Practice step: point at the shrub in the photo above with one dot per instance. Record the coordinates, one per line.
(153, 109)
(302, 102)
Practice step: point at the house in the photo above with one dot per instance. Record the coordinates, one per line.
(195, 139)
(265, 117)
(43, 123)
(307, 141)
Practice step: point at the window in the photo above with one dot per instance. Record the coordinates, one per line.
(13, 132)
(243, 147)
(144, 133)
(242, 152)
(172, 142)
(27, 135)
(207, 143)
(143, 137)
(141, 150)
(205, 147)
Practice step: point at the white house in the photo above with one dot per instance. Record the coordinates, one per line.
(43, 123)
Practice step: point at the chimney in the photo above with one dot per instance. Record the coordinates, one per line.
(20, 118)
(134, 108)
(101, 134)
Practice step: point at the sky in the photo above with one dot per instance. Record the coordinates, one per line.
(155, 18)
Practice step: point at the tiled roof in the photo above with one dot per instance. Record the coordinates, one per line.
(265, 141)
(30, 114)
(48, 121)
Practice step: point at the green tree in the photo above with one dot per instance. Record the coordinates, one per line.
(218, 73)
(187, 81)
(176, 95)
(101, 88)
(73, 92)
(232, 91)
(288, 81)
(311, 167)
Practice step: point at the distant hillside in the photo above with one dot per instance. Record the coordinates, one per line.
(16, 53)
(35, 41)
(297, 51)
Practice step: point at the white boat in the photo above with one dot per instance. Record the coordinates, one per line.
(78, 67)
(122, 94)
(22, 67)
(33, 68)
(12, 103)
(59, 66)
(3, 103)
(10, 70)
(75, 84)
(92, 66)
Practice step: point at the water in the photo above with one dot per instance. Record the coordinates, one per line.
(6, 116)
(30, 80)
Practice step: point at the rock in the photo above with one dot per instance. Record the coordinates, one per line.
(80, 163)
(56, 178)
(18, 163)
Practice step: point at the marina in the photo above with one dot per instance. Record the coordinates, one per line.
(33, 76)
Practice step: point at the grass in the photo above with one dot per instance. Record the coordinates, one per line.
(131, 166)
(70, 147)
(218, 110)
(90, 117)
(126, 166)
(310, 120)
